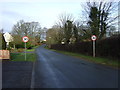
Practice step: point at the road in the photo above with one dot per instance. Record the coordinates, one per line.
(16, 74)
(55, 70)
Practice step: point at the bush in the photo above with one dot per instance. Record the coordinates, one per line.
(22, 45)
(83, 47)
(20, 50)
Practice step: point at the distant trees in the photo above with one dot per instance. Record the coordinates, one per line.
(43, 35)
(54, 35)
(100, 21)
(30, 29)
(26, 28)
(62, 31)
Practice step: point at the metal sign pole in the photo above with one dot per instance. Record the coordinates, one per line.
(93, 48)
(25, 40)
(25, 51)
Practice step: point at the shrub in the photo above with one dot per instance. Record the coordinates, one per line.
(20, 50)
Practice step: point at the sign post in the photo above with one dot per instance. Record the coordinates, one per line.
(93, 39)
(25, 40)
(25, 51)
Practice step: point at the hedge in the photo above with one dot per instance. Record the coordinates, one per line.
(109, 47)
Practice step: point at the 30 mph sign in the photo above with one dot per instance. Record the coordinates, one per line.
(25, 39)
(93, 37)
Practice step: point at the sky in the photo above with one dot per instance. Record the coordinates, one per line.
(46, 12)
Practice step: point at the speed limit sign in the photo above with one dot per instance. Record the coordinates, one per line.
(25, 39)
(93, 37)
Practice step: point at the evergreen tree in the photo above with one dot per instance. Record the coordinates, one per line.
(75, 32)
(68, 30)
(2, 42)
(99, 17)
(94, 21)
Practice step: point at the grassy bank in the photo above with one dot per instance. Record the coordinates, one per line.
(33, 49)
(98, 60)
(21, 57)
(23, 50)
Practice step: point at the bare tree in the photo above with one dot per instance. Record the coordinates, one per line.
(54, 35)
(30, 29)
(63, 18)
(18, 28)
(26, 28)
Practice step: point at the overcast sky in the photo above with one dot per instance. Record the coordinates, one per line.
(45, 12)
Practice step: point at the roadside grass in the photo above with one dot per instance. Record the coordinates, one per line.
(21, 57)
(33, 49)
(30, 50)
(98, 60)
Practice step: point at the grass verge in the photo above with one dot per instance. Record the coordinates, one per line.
(21, 57)
(98, 60)
(33, 49)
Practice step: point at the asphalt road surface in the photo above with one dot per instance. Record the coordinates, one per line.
(16, 74)
(55, 70)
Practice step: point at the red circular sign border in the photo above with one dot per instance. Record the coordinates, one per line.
(24, 37)
(92, 39)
